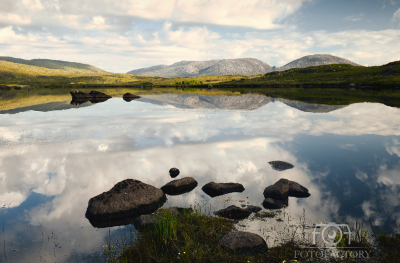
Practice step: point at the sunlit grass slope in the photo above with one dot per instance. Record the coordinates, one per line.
(72, 67)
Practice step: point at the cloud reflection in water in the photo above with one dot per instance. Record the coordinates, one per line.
(75, 154)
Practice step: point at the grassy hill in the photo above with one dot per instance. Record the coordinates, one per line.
(335, 75)
(72, 67)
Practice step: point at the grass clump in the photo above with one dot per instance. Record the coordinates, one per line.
(192, 237)
(265, 214)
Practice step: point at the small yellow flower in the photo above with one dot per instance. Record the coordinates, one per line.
(184, 252)
(373, 212)
(179, 253)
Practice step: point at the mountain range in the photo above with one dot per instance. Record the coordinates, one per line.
(239, 66)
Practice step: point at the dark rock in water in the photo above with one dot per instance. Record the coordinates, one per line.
(297, 190)
(253, 208)
(112, 222)
(270, 203)
(128, 198)
(79, 101)
(5, 88)
(233, 212)
(129, 97)
(215, 189)
(280, 166)
(284, 188)
(181, 186)
(147, 221)
(174, 172)
(244, 242)
(210, 86)
(98, 94)
(80, 95)
(17, 88)
(279, 190)
(99, 99)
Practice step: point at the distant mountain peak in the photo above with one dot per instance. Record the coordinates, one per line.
(316, 60)
(217, 67)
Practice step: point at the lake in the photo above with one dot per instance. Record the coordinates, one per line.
(55, 156)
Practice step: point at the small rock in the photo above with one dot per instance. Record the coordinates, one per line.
(145, 221)
(129, 97)
(181, 186)
(216, 189)
(253, 208)
(244, 242)
(284, 188)
(270, 203)
(297, 190)
(98, 94)
(148, 221)
(174, 172)
(279, 190)
(233, 212)
(280, 166)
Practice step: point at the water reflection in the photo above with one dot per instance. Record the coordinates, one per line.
(52, 163)
(79, 101)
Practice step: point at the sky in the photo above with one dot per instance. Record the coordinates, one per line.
(122, 35)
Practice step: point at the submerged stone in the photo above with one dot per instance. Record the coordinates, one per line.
(270, 203)
(216, 189)
(280, 165)
(233, 212)
(181, 186)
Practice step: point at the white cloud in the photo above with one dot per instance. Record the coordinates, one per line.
(91, 35)
(354, 18)
(396, 16)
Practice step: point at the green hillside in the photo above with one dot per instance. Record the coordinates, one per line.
(72, 67)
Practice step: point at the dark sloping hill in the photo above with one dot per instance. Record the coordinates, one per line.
(72, 67)
(316, 60)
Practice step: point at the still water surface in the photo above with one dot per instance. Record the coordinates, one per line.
(53, 161)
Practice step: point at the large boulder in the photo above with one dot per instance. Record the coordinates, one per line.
(284, 188)
(174, 172)
(270, 203)
(181, 186)
(148, 221)
(215, 189)
(128, 198)
(244, 242)
(280, 165)
(233, 212)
